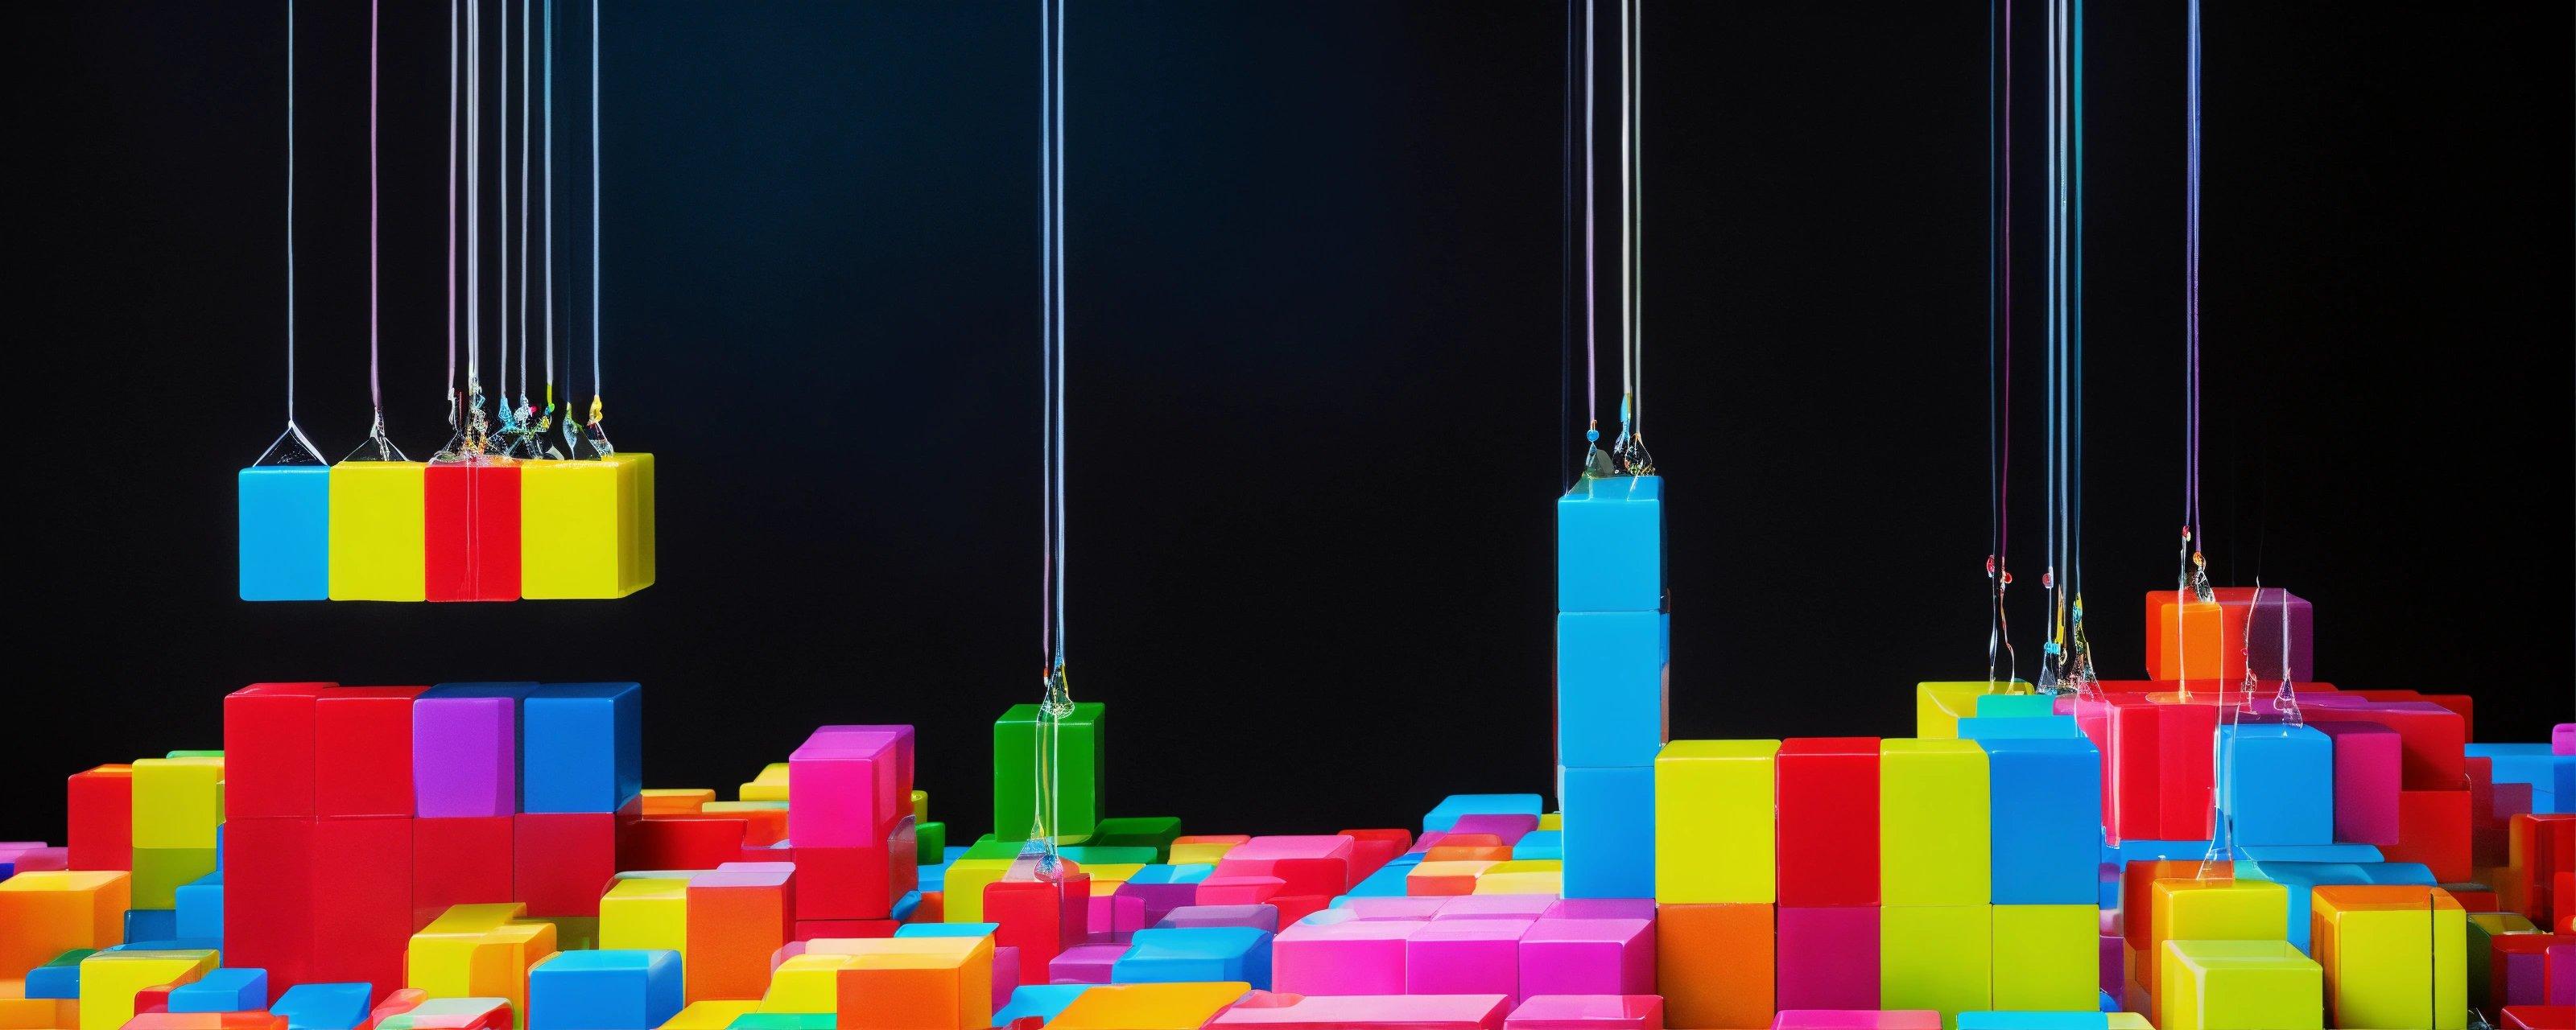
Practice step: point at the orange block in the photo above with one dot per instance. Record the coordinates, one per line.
(38, 1013)
(1445, 879)
(1445, 852)
(2194, 640)
(737, 919)
(44, 914)
(917, 983)
(1715, 964)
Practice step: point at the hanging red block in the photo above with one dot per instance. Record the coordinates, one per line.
(472, 530)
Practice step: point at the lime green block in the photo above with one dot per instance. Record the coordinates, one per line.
(160, 872)
(962, 895)
(1713, 822)
(1934, 826)
(1938, 957)
(931, 840)
(2046, 958)
(1079, 772)
(2241, 985)
(1147, 831)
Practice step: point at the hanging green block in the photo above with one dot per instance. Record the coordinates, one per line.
(1148, 831)
(1078, 764)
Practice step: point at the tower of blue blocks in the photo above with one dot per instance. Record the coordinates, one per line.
(1612, 639)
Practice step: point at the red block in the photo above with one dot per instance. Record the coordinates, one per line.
(268, 750)
(100, 830)
(2138, 894)
(2542, 846)
(809, 929)
(1826, 791)
(2433, 739)
(2433, 828)
(681, 842)
(738, 918)
(2185, 733)
(1373, 849)
(362, 744)
(1293, 907)
(268, 898)
(843, 883)
(2538, 1017)
(1039, 917)
(362, 908)
(564, 861)
(466, 860)
(472, 531)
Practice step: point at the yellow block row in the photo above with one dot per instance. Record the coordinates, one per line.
(585, 529)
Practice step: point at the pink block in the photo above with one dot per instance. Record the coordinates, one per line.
(1428, 840)
(1006, 973)
(1588, 1012)
(1353, 957)
(2368, 772)
(1823, 1019)
(1397, 908)
(1237, 890)
(1588, 956)
(1465, 956)
(1496, 906)
(2558, 975)
(1116, 917)
(1304, 864)
(2562, 739)
(841, 788)
(1511, 828)
(1828, 958)
(1283, 1011)
(42, 859)
(1258, 917)
(903, 753)
(1084, 964)
(1600, 908)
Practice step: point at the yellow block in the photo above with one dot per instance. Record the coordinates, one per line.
(2211, 910)
(962, 895)
(920, 806)
(1713, 820)
(1552, 821)
(46, 913)
(1937, 957)
(585, 527)
(379, 546)
(710, 1015)
(2240, 985)
(806, 983)
(675, 800)
(479, 951)
(1523, 876)
(770, 785)
(1178, 1006)
(2045, 957)
(110, 979)
(645, 913)
(1934, 825)
(178, 802)
(2392, 956)
(160, 872)
(2126, 1021)
(1200, 852)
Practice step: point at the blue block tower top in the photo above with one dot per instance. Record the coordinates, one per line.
(1610, 545)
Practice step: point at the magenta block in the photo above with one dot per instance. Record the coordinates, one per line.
(2111, 962)
(2368, 771)
(1155, 900)
(1352, 957)
(1511, 828)
(1084, 964)
(842, 788)
(1823, 1019)
(1259, 917)
(2558, 975)
(1497, 906)
(1465, 956)
(1313, 864)
(1828, 957)
(1236, 890)
(1006, 973)
(1286, 1011)
(1600, 908)
(2525, 977)
(1588, 956)
(1398, 908)
(464, 756)
(2562, 739)
(1588, 1012)
(1115, 918)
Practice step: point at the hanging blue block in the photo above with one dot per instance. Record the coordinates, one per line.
(2277, 783)
(1610, 545)
(285, 533)
(1609, 834)
(323, 1006)
(1610, 687)
(2045, 815)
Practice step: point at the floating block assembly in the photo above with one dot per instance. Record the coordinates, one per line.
(378, 531)
(586, 527)
(285, 533)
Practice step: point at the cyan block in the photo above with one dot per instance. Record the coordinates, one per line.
(1445, 814)
(1386, 882)
(285, 532)
(151, 924)
(2015, 706)
(1610, 545)
(323, 1006)
(2311, 852)
(1540, 844)
(200, 911)
(223, 990)
(1196, 954)
(604, 990)
(1609, 831)
(2017, 727)
(2276, 783)
(2046, 819)
(1610, 687)
(2033, 1021)
(906, 905)
(60, 978)
(2552, 776)
(581, 747)
(946, 929)
(1186, 872)
(1044, 1001)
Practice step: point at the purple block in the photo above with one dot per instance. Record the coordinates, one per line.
(1156, 900)
(1511, 828)
(2111, 962)
(1465, 956)
(1399, 908)
(465, 752)
(1588, 956)
(1828, 957)
(1259, 917)
(2263, 635)
(843, 788)
(1115, 917)
(2525, 977)
(1600, 908)
(2369, 767)
(2562, 739)
(2558, 968)
(1084, 964)
(1497, 906)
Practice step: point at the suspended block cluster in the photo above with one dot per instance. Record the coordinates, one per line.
(486, 530)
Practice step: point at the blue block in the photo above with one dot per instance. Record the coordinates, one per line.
(1196, 954)
(934, 877)
(58, 980)
(604, 990)
(1044, 1001)
(223, 990)
(1609, 831)
(2552, 776)
(323, 1006)
(946, 929)
(1610, 687)
(2311, 852)
(581, 747)
(906, 905)
(201, 908)
(1610, 545)
(2015, 706)
(151, 924)
(285, 533)
(2032, 1021)
(1445, 814)
(2277, 783)
(1540, 844)
(2018, 727)
(1186, 872)
(2045, 807)
(1386, 882)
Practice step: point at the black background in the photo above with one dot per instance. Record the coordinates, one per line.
(1316, 370)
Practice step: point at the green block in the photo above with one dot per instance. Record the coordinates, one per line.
(1148, 831)
(989, 846)
(932, 841)
(1078, 765)
(784, 1021)
(1097, 854)
(160, 872)
(194, 754)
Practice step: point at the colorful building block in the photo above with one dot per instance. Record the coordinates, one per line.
(1588, 956)
(1609, 545)
(1610, 687)
(1935, 826)
(323, 1006)
(561, 861)
(1196, 954)
(1360, 1012)
(1147, 1006)
(363, 740)
(223, 989)
(1714, 963)
(361, 917)
(378, 531)
(178, 802)
(471, 530)
(100, 809)
(1464, 956)
(465, 749)
(1609, 831)
(1079, 762)
(2045, 820)
(285, 532)
(583, 746)
(2368, 773)
(941, 983)
(1355, 957)
(1713, 822)
(111, 979)
(735, 920)
(586, 528)
(1938, 957)
(48, 913)
(2392, 956)
(268, 744)
(1040, 917)
(2044, 956)
(1828, 957)
(1588, 1012)
(2219, 909)
(2239, 985)
(1446, 814)
(604, 990)
(2276, 783)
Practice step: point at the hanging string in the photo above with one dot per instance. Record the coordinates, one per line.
(470, 437)
(594, 438)
(2079, 653)
(291, 447)
(545, 420)
(1999, 312)
(2060, 530)
(2194, 572)
(455, 397)
(1565, 282)
(527, 211)
(1594, 462)
(1041, 848)
(1632, 357)
(377, 446)
(508, 430)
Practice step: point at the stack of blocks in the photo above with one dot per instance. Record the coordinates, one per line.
(1612, 643)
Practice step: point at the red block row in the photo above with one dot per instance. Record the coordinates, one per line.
(302, 750)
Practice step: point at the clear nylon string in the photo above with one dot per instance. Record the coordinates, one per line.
(455, 399)
(1592, 220)
(291, 447)
(1057, 702)
(375, 320)
(598, 385)
(527, 211)
(501, 237)
(550, 215)
(2000, 658)
(473, 220)
(1632, 355)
